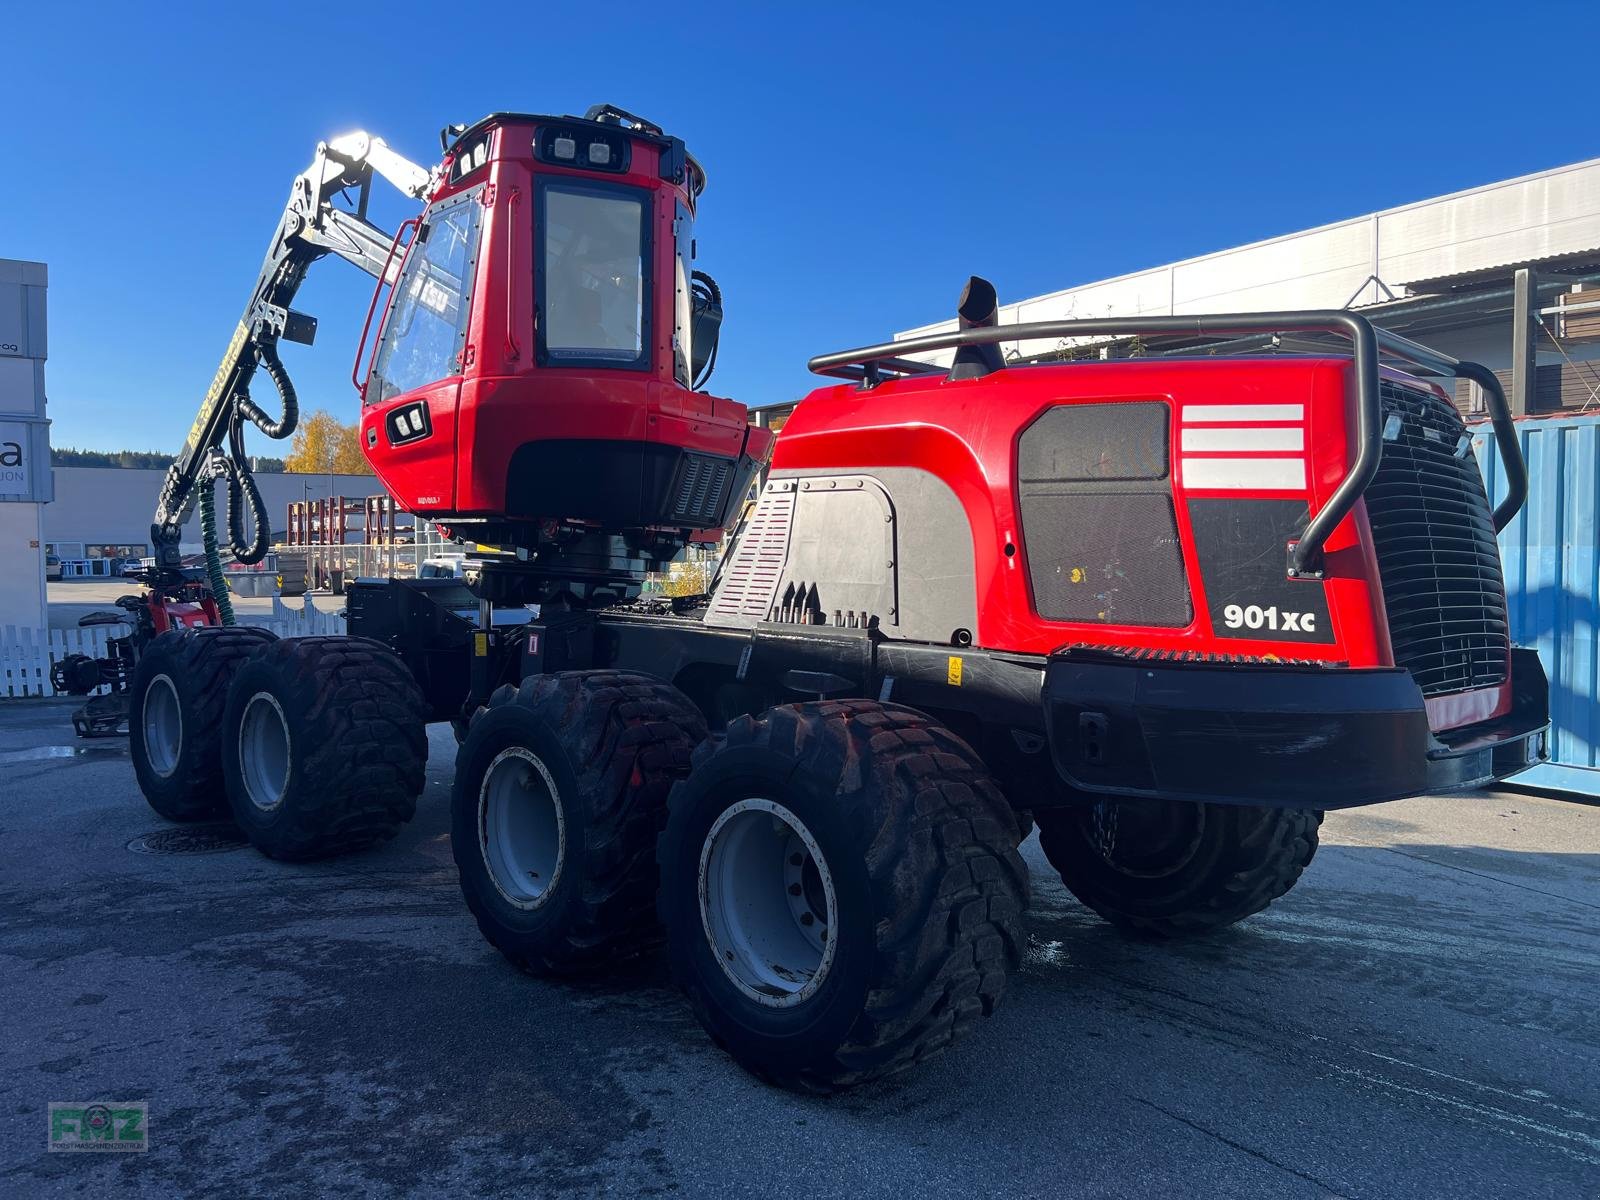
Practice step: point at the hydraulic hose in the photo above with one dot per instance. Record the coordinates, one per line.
(267, 356)
(242, 491)
(208, 535)
(706, 295)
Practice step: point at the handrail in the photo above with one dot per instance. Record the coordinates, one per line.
(1305, 553)
(1436, 362)
(372, 306)
(513, 346)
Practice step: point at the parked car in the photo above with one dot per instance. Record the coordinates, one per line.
(133, 567)
(52, 567)
(450, 566)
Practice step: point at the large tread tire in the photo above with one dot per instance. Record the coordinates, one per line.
(613, 744)
(357, 748)
(199, 664)
(921, 848)
(1233, 862)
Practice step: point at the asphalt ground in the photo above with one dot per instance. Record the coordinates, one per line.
(1418, 1018)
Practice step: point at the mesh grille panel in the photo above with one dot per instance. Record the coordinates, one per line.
(1433, 533)
(1082, 443)
(1111, 558)
(701, 482)
(1096, 498)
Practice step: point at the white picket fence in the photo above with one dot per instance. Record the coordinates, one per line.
(26, 653)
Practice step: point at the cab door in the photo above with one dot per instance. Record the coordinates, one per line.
(414, 389)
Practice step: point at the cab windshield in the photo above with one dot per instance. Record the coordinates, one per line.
(423, 339)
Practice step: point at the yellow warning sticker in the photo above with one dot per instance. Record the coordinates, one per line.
(480, 645)
(953, 675)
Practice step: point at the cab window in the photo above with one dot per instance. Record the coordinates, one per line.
(683, 299)
(426, 333)
(592, 275)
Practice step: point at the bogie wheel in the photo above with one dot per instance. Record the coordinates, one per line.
(560, 792)
(324, 747)
(1171, 868)
(841, 891)
(175, 707)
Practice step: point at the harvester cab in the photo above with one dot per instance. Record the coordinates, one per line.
(537, 382)
(537, 377)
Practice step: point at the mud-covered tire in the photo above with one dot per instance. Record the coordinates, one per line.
(926, 887)
(1176, 868)
(353, 749)
(587, 758)
(184, 781)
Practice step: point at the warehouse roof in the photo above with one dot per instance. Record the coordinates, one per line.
(1374, 259)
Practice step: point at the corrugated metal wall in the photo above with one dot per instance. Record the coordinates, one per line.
(1552, 570)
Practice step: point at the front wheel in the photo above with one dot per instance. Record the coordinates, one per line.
(560, 790)
(841, 891)
(1172, 868)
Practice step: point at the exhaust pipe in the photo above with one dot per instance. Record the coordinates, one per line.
(979, 307)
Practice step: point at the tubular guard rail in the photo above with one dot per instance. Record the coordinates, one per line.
(870, 363)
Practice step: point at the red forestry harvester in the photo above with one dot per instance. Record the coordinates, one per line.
(1168, 609)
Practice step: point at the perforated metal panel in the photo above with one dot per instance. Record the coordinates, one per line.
(750, 582)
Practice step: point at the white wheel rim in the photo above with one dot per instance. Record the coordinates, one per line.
(522, 831)
(163, 726)
(767, 903)
(264, 760)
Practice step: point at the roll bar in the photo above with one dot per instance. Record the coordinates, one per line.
(870, 363)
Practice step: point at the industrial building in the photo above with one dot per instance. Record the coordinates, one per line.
(1444, 271)
(101, 515)
(25, 483)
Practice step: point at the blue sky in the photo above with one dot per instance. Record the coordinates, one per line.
(863, 159)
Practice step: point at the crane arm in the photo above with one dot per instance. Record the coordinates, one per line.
(311, 227)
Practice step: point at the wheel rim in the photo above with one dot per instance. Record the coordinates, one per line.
(522, 831)
(163, 726)
(264, 751)
(767, 903)
(1153, 838)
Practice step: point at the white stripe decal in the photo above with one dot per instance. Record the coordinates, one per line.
(1218, 437)
(1244, 474)
(1195, 413)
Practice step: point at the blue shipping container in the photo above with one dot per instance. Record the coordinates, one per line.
(1552, 572)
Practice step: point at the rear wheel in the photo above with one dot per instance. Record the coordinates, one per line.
(1170, 868)
(176, 699)
(841, 891)
(560, 790)
(324, 746)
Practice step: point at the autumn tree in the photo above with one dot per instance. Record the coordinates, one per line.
(323, 443)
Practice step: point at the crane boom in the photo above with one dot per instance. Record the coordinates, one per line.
(310, 228)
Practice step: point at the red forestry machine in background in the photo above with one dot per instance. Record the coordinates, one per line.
(1168, 609)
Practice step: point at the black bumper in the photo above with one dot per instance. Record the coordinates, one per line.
(1275, 736)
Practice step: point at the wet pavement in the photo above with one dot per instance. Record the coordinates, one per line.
(1419, 1017)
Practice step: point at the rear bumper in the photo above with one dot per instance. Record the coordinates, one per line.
(1275, 736)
